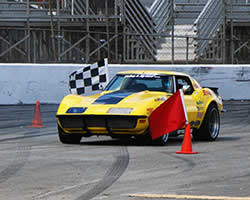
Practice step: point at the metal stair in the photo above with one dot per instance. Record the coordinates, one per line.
(78, 8)
(207, 24)
(183, 45)
(185, 13)
(140, 40)
(161, 14)
(209, 28)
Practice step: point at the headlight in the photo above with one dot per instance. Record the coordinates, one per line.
(120, 110)
(76, 110)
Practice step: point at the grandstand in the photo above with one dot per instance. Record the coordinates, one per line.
(125, 31)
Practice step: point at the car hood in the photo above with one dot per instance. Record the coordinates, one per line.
(140, 102)
(126, 97)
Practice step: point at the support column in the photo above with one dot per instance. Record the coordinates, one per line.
(35, 44)
(107, 26)
(52, 31)
(187, 49)
(223, 53)
(116, 32)
(232, 32)
(88, 34)
(58, 6)
(125, 44)
(28, 31)
(172, 29)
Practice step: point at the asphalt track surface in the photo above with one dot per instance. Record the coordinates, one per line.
(35, 165)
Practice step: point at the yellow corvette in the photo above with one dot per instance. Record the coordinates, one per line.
(122, 109)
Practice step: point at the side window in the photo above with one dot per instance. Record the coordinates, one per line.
(167, 84)
(184, 81)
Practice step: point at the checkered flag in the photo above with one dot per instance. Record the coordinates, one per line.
(87, 79)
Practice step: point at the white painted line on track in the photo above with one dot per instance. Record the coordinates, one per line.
(173, 196)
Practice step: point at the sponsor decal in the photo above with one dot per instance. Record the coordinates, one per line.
(161, 99)
(196, 86)
(142, 76)
(195, 123)
(150, 110)
(191, 123)
(205, 92)
(199, 108)
(199, 114)
(199, 102)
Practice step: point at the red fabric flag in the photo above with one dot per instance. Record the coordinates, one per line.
(168, 117)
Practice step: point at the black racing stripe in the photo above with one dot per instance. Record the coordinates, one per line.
(112, 98)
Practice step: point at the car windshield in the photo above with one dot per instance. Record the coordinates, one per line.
(141, 82)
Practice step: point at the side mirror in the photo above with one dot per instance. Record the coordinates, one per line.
(101, 87)
(186, 89)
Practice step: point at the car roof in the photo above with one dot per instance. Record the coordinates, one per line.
(153, 72)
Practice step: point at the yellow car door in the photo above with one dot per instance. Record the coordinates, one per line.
(189, 98)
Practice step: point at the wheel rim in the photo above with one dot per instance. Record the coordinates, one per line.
(165, 138)
(214, 124)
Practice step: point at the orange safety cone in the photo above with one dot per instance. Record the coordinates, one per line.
(37, 119)
(187, 142)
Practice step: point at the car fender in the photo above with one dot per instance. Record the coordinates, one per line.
(74, 101)
(209, 97)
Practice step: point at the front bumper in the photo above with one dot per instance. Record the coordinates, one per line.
(103, 124)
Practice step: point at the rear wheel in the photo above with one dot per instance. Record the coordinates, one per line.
(66, 138)
(210, 127)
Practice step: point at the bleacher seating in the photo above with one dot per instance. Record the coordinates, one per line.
(146, 24)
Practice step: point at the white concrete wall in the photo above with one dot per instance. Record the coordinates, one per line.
(48, 83)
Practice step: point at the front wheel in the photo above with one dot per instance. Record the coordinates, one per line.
(210, 127)
(144, 139)
(68, 138)
(161, 141)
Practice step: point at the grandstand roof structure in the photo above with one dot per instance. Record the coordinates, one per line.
(125, 31)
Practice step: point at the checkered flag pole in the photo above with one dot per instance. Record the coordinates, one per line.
(87, 79)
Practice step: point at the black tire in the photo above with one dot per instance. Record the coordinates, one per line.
(161, 141)
(121, 137)
(210, 127)
(144, 139)
(68, 138)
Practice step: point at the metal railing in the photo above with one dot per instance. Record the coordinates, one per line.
(238, 10)
(21, 11)
(130, 26)
(207, 23)
(74, 10)
(161, 14)
(142, 24)
(79, 8)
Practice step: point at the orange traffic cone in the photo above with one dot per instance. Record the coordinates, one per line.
(187, 142)
(37, 119)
